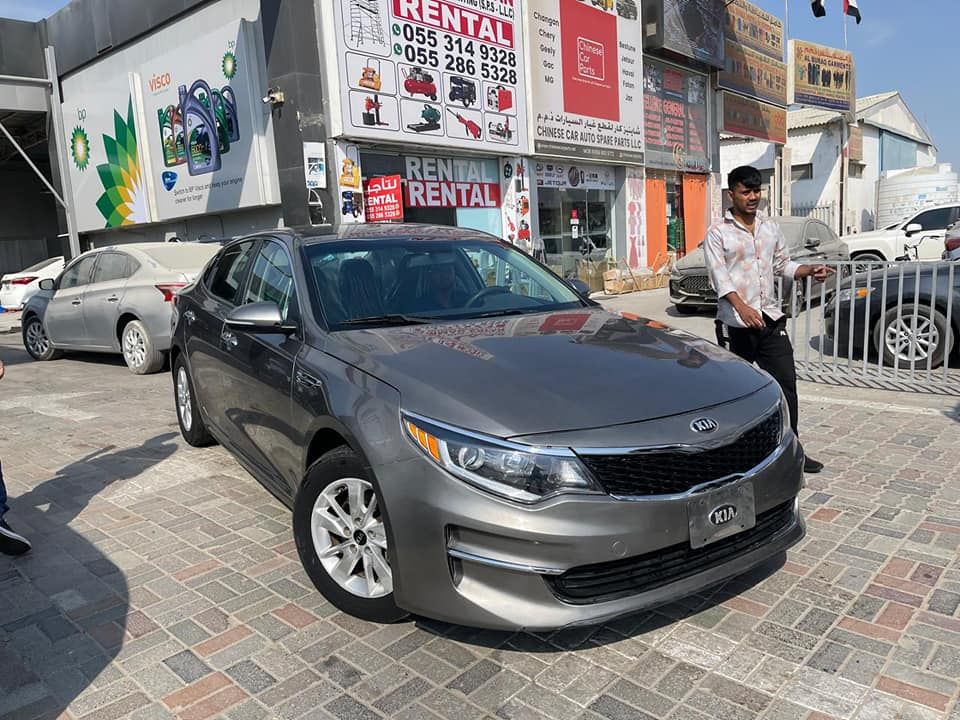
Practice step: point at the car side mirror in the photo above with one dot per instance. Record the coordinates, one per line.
(579, 287)
(812, 242)
(913, 228)
(47, 284)
(262, 317)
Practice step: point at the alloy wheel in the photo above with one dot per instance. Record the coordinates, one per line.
(350, 540)
(37, 339)
(134, 348)
(912, 338)
(184, 403)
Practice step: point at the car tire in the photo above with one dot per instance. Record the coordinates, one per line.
(139, 351)
(687, 309)
(865, 259)
(931, 330)
(192, 427)
(36, 341)
(347, 561)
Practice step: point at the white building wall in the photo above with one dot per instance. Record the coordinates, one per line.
(819, 146)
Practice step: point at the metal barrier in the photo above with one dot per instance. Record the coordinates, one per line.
(890, 326)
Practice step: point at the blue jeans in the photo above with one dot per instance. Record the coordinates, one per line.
(3, 495)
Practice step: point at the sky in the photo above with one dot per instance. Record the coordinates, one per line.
(899, 46)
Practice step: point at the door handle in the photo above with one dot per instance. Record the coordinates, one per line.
(75, 302)
(229, 339)
(190, 316)
(113, 298)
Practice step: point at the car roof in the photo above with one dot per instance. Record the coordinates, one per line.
(311, 235)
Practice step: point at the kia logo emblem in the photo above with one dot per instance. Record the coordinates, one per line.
(723, 514)
(704, 425)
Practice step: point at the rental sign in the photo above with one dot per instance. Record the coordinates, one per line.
(451, 182)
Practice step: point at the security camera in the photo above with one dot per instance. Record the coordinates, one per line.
(274, 96)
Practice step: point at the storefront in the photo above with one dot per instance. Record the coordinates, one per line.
(676, 130)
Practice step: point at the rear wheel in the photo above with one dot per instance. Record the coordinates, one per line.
(918, 337)
(139, 351)
(36, 341)
(341, 536)
(864, 260)
(192, 427)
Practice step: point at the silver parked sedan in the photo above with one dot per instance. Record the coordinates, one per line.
(462, 435)
(114, 299)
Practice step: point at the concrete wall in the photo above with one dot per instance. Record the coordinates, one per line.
(29, 229)
(821, 148)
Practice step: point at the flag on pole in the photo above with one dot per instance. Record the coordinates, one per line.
(850, 8)
(818, 9)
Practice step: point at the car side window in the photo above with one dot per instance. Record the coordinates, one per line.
(112, 266)
(78, 274)
(937, 219)
(811, 235)
(271, 278)
(228, 272)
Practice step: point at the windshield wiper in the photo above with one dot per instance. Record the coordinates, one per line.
(502, 313)
(393, 319)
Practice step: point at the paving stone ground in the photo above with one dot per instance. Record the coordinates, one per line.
(164, 583)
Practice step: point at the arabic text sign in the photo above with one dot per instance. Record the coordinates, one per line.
(384, 199)
(675, 117)
(585, 74)
(749, 26)
(751, 118)
(821, 76)
(754, 75)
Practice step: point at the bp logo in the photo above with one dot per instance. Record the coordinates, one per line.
(80, 148)
(229, 65)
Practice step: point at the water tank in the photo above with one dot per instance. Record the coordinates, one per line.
(902, 192)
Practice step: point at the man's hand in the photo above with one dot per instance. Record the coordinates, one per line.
(817, 272)
(751, 318)
(1, 370)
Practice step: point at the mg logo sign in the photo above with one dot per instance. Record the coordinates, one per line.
(704, 425)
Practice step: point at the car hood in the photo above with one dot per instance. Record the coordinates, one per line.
(548, 372)
(870, 236)
(692, 261)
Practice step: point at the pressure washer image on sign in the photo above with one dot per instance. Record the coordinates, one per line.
(199, 130)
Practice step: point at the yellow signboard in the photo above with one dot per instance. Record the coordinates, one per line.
(753, 74)
(821, 77)
(754, 28)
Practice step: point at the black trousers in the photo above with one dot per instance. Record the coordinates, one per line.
(770, 348)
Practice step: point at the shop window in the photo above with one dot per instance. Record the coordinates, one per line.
(801, 172)
(856, 171)
(594, 215)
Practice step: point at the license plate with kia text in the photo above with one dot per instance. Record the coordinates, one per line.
(720, 513)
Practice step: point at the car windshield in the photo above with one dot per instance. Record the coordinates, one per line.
(361, 283)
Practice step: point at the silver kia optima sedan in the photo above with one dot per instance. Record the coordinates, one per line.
(115, 299)
(460, 434)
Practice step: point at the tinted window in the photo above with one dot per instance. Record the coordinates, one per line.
(227, 273)
(937, 219)
(271, 278)
(79, 273)
(824, 233)
(112, 266)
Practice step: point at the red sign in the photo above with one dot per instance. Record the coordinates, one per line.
(455, 19)
(384, 199)
(591, 85)
(449, 193)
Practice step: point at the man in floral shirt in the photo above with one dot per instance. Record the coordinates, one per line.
(744, 254)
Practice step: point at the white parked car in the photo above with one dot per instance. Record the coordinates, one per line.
(925, 229)
(16, 288)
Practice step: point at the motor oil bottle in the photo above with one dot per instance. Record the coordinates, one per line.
(230, 106)
(200, 130)
(171, 135)
(219, 117)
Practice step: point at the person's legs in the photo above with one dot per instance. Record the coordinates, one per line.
(11, 543)
(775, 355)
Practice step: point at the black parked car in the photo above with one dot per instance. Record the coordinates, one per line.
(917, 333)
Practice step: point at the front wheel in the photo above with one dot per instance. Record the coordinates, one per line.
(918, 337)
(339, 529)
(36, 341)
(864, 260)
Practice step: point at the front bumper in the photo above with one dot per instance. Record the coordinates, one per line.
(466, 557)
(682, 293)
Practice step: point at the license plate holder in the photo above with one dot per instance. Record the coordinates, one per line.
(720, 513)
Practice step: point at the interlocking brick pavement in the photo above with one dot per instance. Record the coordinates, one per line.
(164, 583)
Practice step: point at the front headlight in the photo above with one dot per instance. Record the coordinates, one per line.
(851, 293)
(518, 472)
(784, 416)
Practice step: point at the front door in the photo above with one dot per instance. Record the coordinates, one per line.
(101, 302)
(64, 316)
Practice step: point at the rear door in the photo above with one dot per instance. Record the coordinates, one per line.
(101, 302)
(63, 319)
(934, 222)
(217, 294)
(260, 375)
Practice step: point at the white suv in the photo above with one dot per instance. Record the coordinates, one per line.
(925, 229)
